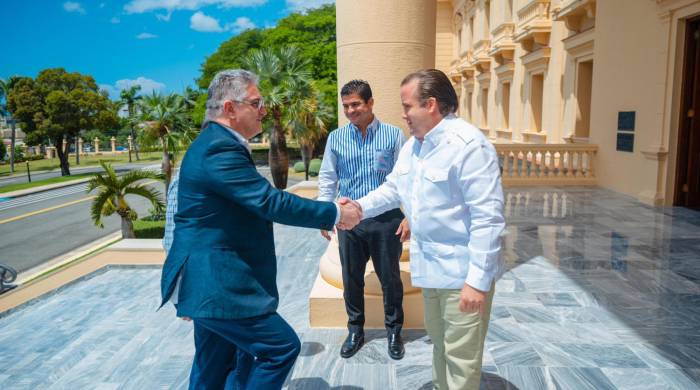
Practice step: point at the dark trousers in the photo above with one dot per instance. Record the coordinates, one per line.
(375, 237)
(250, 353)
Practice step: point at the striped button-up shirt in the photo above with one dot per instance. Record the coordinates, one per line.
(354, 165)
(170, 211)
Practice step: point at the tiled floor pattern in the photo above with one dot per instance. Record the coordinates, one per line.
(601, 293)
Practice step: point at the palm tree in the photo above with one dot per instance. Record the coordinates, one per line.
(309, 119)
(285, 78)
(166, 121)
(130, 98)
(111, 197)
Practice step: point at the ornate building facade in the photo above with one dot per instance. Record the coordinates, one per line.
(602, 90)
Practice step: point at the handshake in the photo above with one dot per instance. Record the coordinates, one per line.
(350, 216)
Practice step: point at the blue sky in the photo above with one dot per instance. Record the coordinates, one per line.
(159, 44)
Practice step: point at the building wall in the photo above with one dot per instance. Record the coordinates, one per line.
(631, 77)
(634, 49)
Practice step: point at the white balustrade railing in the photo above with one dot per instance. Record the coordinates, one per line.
(547, 164)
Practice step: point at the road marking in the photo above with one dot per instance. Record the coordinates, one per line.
(4, 221)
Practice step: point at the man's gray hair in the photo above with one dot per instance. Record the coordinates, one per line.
(229, 84)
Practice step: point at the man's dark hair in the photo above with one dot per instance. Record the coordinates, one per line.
(360, 87)
(434, 83)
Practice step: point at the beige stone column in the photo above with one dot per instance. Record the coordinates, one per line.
(80, 146)
(114, 145)
(130, 142)
(97, 145)
(65, 146)
(381, 42)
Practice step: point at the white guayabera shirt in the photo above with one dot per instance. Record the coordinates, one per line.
(450, 188)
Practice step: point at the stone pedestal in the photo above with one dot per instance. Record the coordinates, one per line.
(80, 146)
(114, 145)
(327, 306)
(97, 145)
(326, 303)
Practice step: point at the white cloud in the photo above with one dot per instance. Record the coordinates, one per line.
(241, 24)
(71, 6)
(115, 20)
(203, 23)
(141, 6)
(147, 86)
(301, 5)
(164, 17)
(145, 35)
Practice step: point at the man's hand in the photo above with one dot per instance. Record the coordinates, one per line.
(404, 230)
(326, 234)
(350, 214)
(472, 300)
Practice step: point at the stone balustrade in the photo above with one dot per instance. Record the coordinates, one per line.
(547, 164)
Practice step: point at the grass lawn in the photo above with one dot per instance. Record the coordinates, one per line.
(23, 186)
(85, 161)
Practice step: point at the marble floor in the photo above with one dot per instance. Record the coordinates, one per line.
(602, 292)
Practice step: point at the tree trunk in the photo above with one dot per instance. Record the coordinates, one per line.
(306, 154)
(278, 156)
(133, 142)
(77, 151)
(12, 147)
(62, 156)
(166, 166)
(127, 228)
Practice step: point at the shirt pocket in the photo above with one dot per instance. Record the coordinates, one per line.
(383, 160)
(436, 187)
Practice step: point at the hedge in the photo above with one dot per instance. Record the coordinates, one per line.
(149, 229)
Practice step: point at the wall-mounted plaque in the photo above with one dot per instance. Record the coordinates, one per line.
(625, 120)
(625, 142)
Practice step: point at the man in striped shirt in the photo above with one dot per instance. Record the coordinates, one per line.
(357, 159)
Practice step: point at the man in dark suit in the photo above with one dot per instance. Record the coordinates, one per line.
(221, 269)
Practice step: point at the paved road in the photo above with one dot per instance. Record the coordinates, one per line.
(42, 175)
(40, 227)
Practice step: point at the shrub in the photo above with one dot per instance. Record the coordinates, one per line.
(314, 167)
(299, 166)
(149, 229)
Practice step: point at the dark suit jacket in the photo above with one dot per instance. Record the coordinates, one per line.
(223, 242)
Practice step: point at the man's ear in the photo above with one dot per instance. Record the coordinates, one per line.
(229, 109)
(432, 105)
(370, 102)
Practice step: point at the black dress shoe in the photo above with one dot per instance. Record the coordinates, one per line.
(396, 349)
(352, 344)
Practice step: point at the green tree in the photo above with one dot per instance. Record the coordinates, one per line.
(285, 79)
(166, 121)
(129, 99)
(313, 32)
(57, 105)
(112, 192)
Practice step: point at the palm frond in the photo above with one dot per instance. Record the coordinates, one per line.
(101, 206)
(152, 195)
